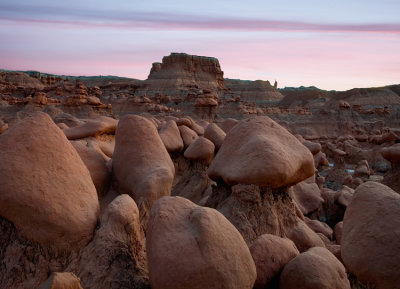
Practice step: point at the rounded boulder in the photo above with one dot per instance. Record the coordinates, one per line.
(45, 188)
(261, 152)
(195, 247)
(142, 167)
(270, 254)
(370, 237)
(316, 268)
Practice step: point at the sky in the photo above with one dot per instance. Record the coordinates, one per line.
(331, 44)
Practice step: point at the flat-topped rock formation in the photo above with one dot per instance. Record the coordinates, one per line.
(180, 73)
(257, 91)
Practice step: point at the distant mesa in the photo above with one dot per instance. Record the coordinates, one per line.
(179, 73)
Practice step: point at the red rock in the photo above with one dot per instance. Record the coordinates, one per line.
(338, 232)
(201, 149)
(93, 100)
(303, 237)
(344, 104)
(370, 237)
(307, 197)
(178, 71)
(215, 134)
(336, 250)
(320, 160)
(259, 151)
(316, 268)
(361, 138)
(115, 258)
(62, 125)
(392, 153)
(188, 135)
(171, 137)
(93, 127)
(96, 165)
(184, 121)
(344, 196)
(270, 254)
(312, 146)
(211, 252)
(45, 188)
(206, 102)
(142, 167)
(40, 98)
(228, 124)
(319, 227)
(257, 91)
(65, 280)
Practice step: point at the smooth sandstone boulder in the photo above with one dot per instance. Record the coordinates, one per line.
(303, 237)
(261, 152)
(316, 268)
(215, 134)
(45, 188)
(201, 149)
(188, 135)
(142, 167)
(96, 165)
(370, 237)
(307, 197)
(93, 127)
(195, 247)
(171, 137)
(270, 254)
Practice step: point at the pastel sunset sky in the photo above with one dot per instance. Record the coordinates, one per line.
(332, 44)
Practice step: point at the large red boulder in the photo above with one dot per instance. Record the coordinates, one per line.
(261, 152)
(370, 238)
(270, 254)
(201, 149)
(142, 167)
(316, 268)
(45, 188)
(195, 247)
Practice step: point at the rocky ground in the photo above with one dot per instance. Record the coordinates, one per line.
(190, 180)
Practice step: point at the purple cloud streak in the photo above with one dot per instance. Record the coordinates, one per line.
(171, 21)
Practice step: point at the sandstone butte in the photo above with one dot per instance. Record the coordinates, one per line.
(188, 179)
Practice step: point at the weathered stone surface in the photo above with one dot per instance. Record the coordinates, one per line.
(215, 134)
(142, 167)
(201, 149)
(270, 254)
(96, 165)
(308, 197)
(171, 137)
(316, 268)
(45, 188)
(259, 151)
(205, 248)
(370, 237)
(115, 258)
(93, 127)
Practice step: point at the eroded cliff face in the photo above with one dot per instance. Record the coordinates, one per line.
(179, 73)
(258, 91)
